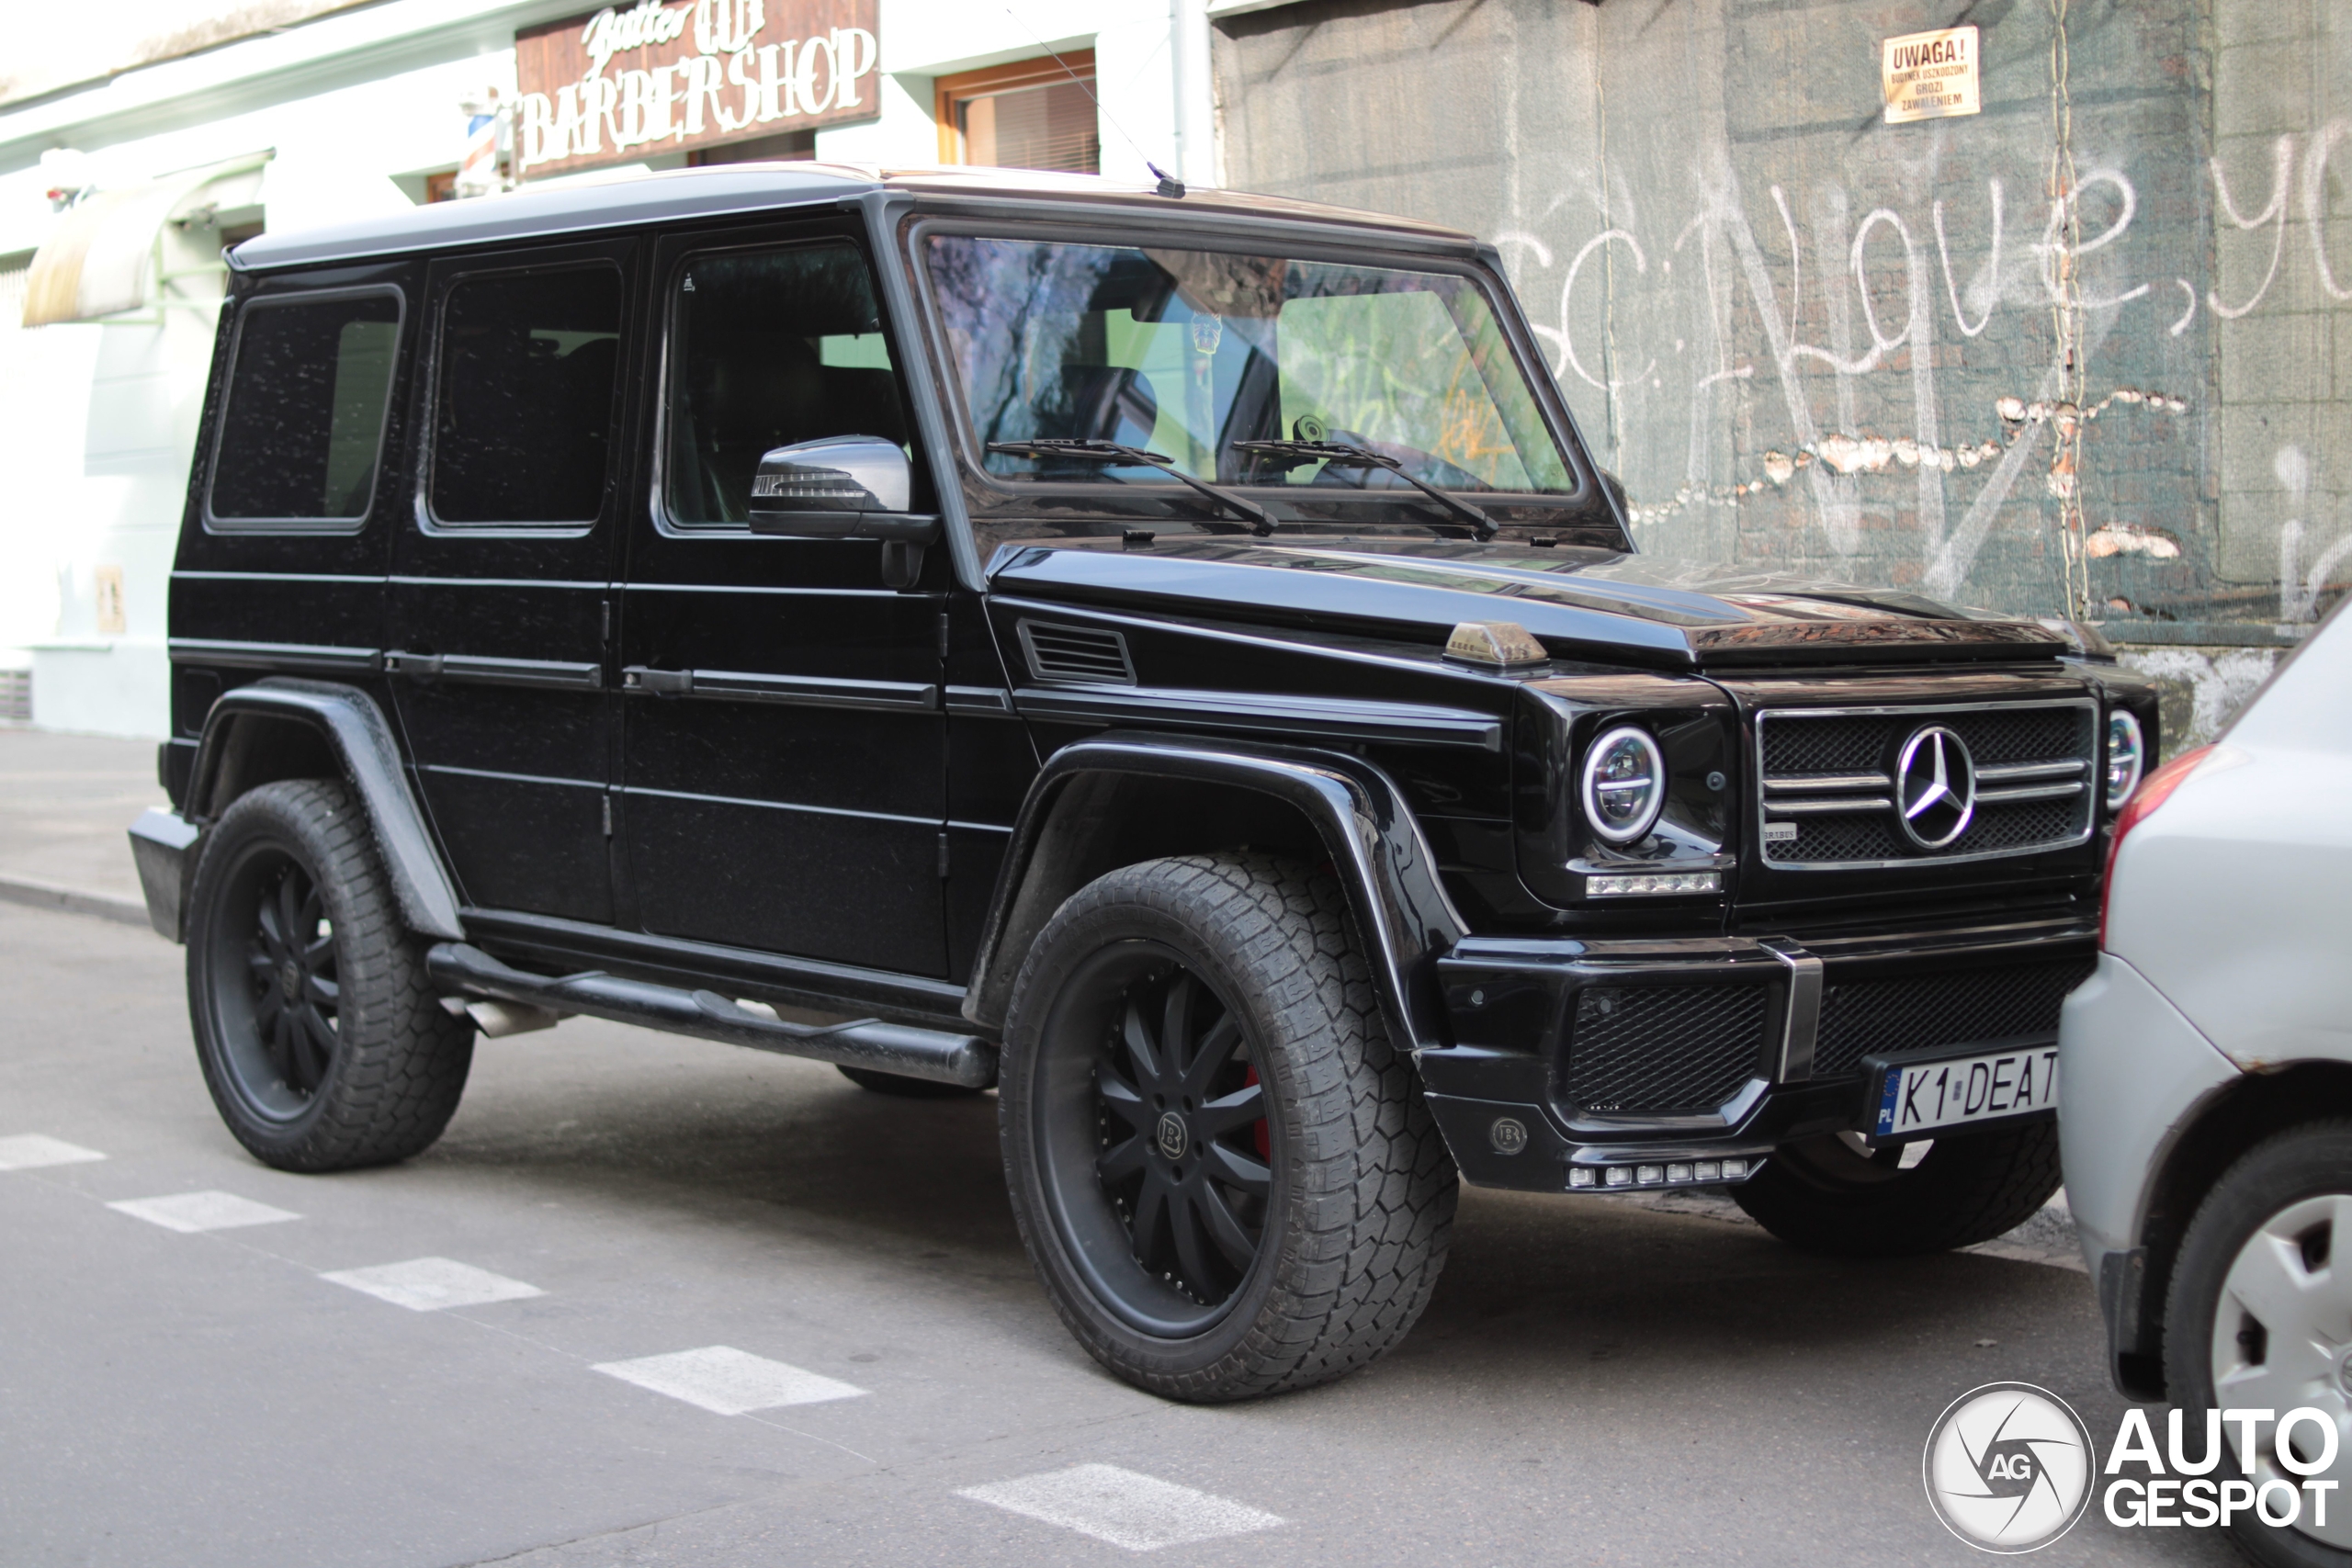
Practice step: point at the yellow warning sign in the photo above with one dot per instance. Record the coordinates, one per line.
(1930, 75)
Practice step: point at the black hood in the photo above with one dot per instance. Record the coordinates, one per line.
(1580, 603)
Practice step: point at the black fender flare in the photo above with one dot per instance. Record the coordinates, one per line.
(1384, 862)
(354, 726)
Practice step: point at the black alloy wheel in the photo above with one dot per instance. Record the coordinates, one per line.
(1223, 1172)
(320, 1034)
(292, 991)
(1181, 1152)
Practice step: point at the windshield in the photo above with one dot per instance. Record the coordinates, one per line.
(1186, 353)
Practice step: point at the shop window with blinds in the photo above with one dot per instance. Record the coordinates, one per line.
(1033, 114)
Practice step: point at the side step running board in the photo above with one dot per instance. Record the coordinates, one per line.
(866, 1043)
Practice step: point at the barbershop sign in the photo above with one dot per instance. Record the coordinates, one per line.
(628, 83)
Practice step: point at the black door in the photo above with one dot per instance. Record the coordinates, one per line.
(502, 580)
(784, 784)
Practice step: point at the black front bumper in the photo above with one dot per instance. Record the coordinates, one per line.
(1658, 1054)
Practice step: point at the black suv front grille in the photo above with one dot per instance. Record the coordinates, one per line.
(1664, 1049)
(1917, 1012)
(1829, 778)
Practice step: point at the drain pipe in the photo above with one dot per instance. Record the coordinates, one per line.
(1189, 67)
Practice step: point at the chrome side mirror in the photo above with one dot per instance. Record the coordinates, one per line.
(842, 474)
(845, 487)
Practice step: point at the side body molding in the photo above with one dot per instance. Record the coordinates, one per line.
(1401, 910)
(350, 722)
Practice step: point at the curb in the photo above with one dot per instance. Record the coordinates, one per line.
(36, 894)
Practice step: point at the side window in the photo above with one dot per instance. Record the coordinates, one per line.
(523, 413)
(304, 424)
(768, 349)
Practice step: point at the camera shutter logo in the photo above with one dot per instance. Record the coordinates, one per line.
(2008, 1467)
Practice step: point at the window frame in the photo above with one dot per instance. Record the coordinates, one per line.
(1039, 71)
(214, 523)
(673, 259)
(444, 281)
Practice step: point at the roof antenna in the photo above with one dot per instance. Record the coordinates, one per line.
(1169, 185)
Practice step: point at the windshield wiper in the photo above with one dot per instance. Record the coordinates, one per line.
(1346, 455)
(1090, 451)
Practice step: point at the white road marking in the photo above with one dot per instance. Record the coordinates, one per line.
(1138, 1511)
(28, 1151)
(191, 1212)
(729, 1381)
(430, 1284)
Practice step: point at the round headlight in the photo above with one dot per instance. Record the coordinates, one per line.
(2126, 757)
(1624, 784)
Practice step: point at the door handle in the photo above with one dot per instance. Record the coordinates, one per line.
(660, 683)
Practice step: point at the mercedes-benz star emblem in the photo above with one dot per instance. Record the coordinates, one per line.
(1174, 1138)
(1935, 786)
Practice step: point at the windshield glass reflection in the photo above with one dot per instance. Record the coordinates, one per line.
(1190, 353)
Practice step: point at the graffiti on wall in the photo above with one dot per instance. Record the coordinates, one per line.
(1886, 297)
(2072, 355)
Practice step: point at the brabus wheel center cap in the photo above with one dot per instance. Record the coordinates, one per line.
(1172, 1137)
(289, 980)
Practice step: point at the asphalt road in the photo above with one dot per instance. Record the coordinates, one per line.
(1593, 1383)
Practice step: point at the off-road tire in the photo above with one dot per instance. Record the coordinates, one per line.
(2311, 1161)
(1360, 1199)
(1824, 1196)
(901, 1087)
(399, 1060)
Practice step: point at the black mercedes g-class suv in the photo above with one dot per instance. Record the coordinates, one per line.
(1164, 655)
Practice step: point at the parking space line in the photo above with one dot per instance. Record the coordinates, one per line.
(1138, 1511)
(191, 1212)
(727, 1382)
(30, 1151)
(433, 1284)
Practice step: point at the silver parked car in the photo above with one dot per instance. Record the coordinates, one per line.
(2206, 1116)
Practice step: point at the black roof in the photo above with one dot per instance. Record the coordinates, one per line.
(718, 190)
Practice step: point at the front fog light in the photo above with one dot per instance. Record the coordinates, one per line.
(2126, 757)
(1624, 784)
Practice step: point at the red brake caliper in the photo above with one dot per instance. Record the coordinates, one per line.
(1258, 1130)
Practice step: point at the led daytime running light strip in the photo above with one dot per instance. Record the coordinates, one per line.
(1654, 883)
(1668, 1173)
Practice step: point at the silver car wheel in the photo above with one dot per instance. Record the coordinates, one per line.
(2282, 1341)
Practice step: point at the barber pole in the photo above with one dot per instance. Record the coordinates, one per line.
(478, 169)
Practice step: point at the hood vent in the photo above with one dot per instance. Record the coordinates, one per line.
(1077, 653)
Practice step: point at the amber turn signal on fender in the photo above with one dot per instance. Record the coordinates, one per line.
(1500, 643)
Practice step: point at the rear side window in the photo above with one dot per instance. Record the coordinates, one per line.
(523, 421)
(305, 419)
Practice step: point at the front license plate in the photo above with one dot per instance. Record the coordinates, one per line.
(1915, 1098)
